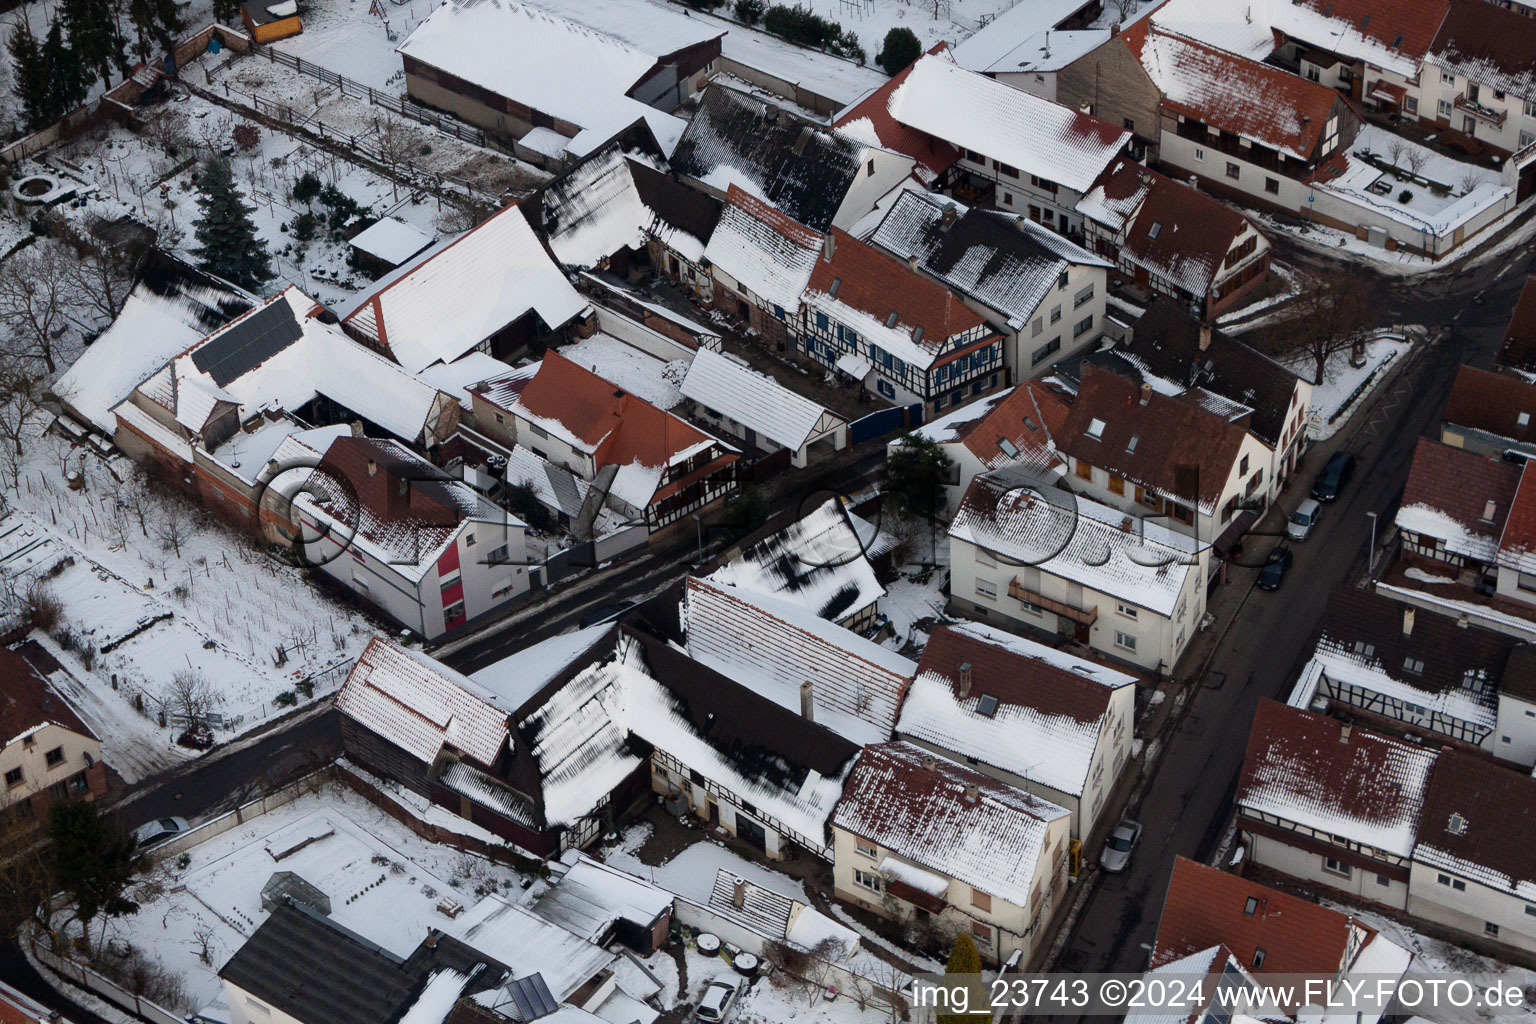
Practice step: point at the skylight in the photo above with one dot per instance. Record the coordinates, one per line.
(1008, 447)
(1130, 445)
(837, 283)
(890, 320)
(1096, 429)
(1156, 227)
(987, 707)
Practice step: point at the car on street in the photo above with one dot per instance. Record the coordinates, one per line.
(1275, 568)
(718, 999)
(1117, 849)
(1336, 473)
(605, 613)
(1304, 519)
(161, 830)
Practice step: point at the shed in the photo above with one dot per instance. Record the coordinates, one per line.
(268, 22)
(386, 244)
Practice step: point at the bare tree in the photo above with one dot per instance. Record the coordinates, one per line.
(168, 128)
(100, 274)
(173, 527)
(202, 942)
(1416, 157)
(1469, 181)
(1124, 8)
(35, 300)
(189, 695)
(21, 403)
(214, 132)
(396, 145)
(1336, 314)
(1395, 150)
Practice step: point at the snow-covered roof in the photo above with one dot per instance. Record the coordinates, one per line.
(1494, 48)
(993, 842)
(591, 896)
(1036, 136)
(1079, 540)
(421, 705)
(659, 31)
(778, 917)
(552, 63)
(1477, 823)
(1016, 426)
(517, 678)
(1347, 781)
(816, 562)
(456, 377)
(1010, 30)
(767, 252)
(558, 488)
(772, 646)
(528, 944)
(391, 240)
(170, 308)
(752, 399)
(1459, 497)
(1046, 709)
(454, 296)
(1517, 544)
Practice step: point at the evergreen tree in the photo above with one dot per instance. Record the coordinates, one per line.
(141, 14)
(94, 35)
(900, 49)
(171, 24)
(92, 863)
(226, 12)
(68, 80)
(964, 962)
(913, 481)
(32, 86)
(227, 244)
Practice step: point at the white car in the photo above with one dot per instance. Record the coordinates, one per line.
(718, 999)
(161, 830)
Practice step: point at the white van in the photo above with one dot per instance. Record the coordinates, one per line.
(1300, 525)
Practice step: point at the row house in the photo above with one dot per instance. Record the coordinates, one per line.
(1044, 294)
(1479, 77)
(1045, 721)
(927, 841)
(1028, 555)
(1017, 152)
(1421, 673)
(51, 754)
(643, 461)
(903, 336)
(760, 261)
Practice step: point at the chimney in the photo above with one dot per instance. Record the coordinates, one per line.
(771, 113)
(828, 247)
(1463, 620)
(965, 679)
(1205, 337)
(947, 218)
(1408, 621)
(912, 263)
(1194, 181)
(972, 793)
(807, 704)
(1114, 30)
(1146, 393)
(373, 468)
(929, 763)
(739, 893)
(1344, 731)
(431, 940)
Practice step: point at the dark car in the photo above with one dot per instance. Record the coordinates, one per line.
(1275, 566)
(1336, 473)
(605, 613)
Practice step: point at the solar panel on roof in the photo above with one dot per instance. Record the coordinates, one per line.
(249, 343)
(531, 997)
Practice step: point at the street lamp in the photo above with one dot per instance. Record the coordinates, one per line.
(1370, 554)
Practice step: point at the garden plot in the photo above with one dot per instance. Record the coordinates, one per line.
(347, 37)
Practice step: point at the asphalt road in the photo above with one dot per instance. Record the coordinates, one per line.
(1186, 804)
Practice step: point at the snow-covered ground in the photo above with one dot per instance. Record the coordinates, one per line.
(1344, 386)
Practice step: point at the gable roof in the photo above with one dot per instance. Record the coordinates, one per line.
(1493, 47)
(1047, 711)
(28, 702)
(457, 294)
(1024, 418)
(1165, 343)
(1448, 492)
(975, 112)
(591, 896)
(800, 167)
(752, 399)
(1261, 103)
(1312, 770)
(1205, 907)
(1492, 403)
(870, 119)
(862, 287)
(988, 47)
(1152, 439)
(764, 250)
(917, 806)
(772, 646)
(525, 942)
(1077, 539)
(1182, 234)
(1518, 350)
(1007, 263)
(1477, 823)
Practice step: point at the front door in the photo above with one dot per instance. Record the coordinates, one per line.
(751, 832)
(1469, 126)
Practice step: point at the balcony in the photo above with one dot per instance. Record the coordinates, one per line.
(1019, 592)
(1478, 110)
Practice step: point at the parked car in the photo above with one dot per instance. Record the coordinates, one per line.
(718, 999)
(161, 830)
(605, 613)
(1117, 850)
(1275, 568)
(1304, 519)
(1336, 473)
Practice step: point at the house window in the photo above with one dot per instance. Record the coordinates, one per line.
(503, 589)
(1242, 466)
(453, 611)
(1129, 611)
(885, 388)
(1530, 911)
(1130, 124)
(1007, 198)
(1411, 106)
(1525, 581)
(1526, 138)
(498, 556)
(1116, 484)
(986, 588)
(1453, 883)
(1086, 295)
(981, 900)
(13, 777)
(1233, 170)
(1336, 867)
(1045, 351)
(1444, 108)
(867, 880)
(1258, 957)
(54, 757)
(1383, 880)
(981, 931)
(1447, 78)
(1199, 153)
(1413, 666)
(1037, 327)
(1084, 471)
(1125, 640)
(1491, 929)
(538, 431)
(984, 557)
(1272, 186)
(1082, 327)
(450, 579)
(871, 168)
(359, 582)
(864, 849)
(469, 540)
(1007, 171)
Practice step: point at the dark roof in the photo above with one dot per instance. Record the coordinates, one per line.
(1518, 352)
(213, 300)
(801, 167)
(311, 968)
(1489, 45)
(1489, 837)
(1182, 234)
(1447, 651)
(1165, 342)
(1173, 436)
(28, 701)
(1493, 402)
(1460, 484)
(1014, 678)
(249, 342)
(686, 209)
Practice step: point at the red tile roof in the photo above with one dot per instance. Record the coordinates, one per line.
(1518, 352)
(1489, 45)
(933, 156)
(1489, 840)
(1206, 907)
(877, 284)
(1384, 20)
(1484, 400)
(1517, 544)
(770, 215)
(1183, 234)
(1459, 484)
(1029, 418)
(28, 701)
